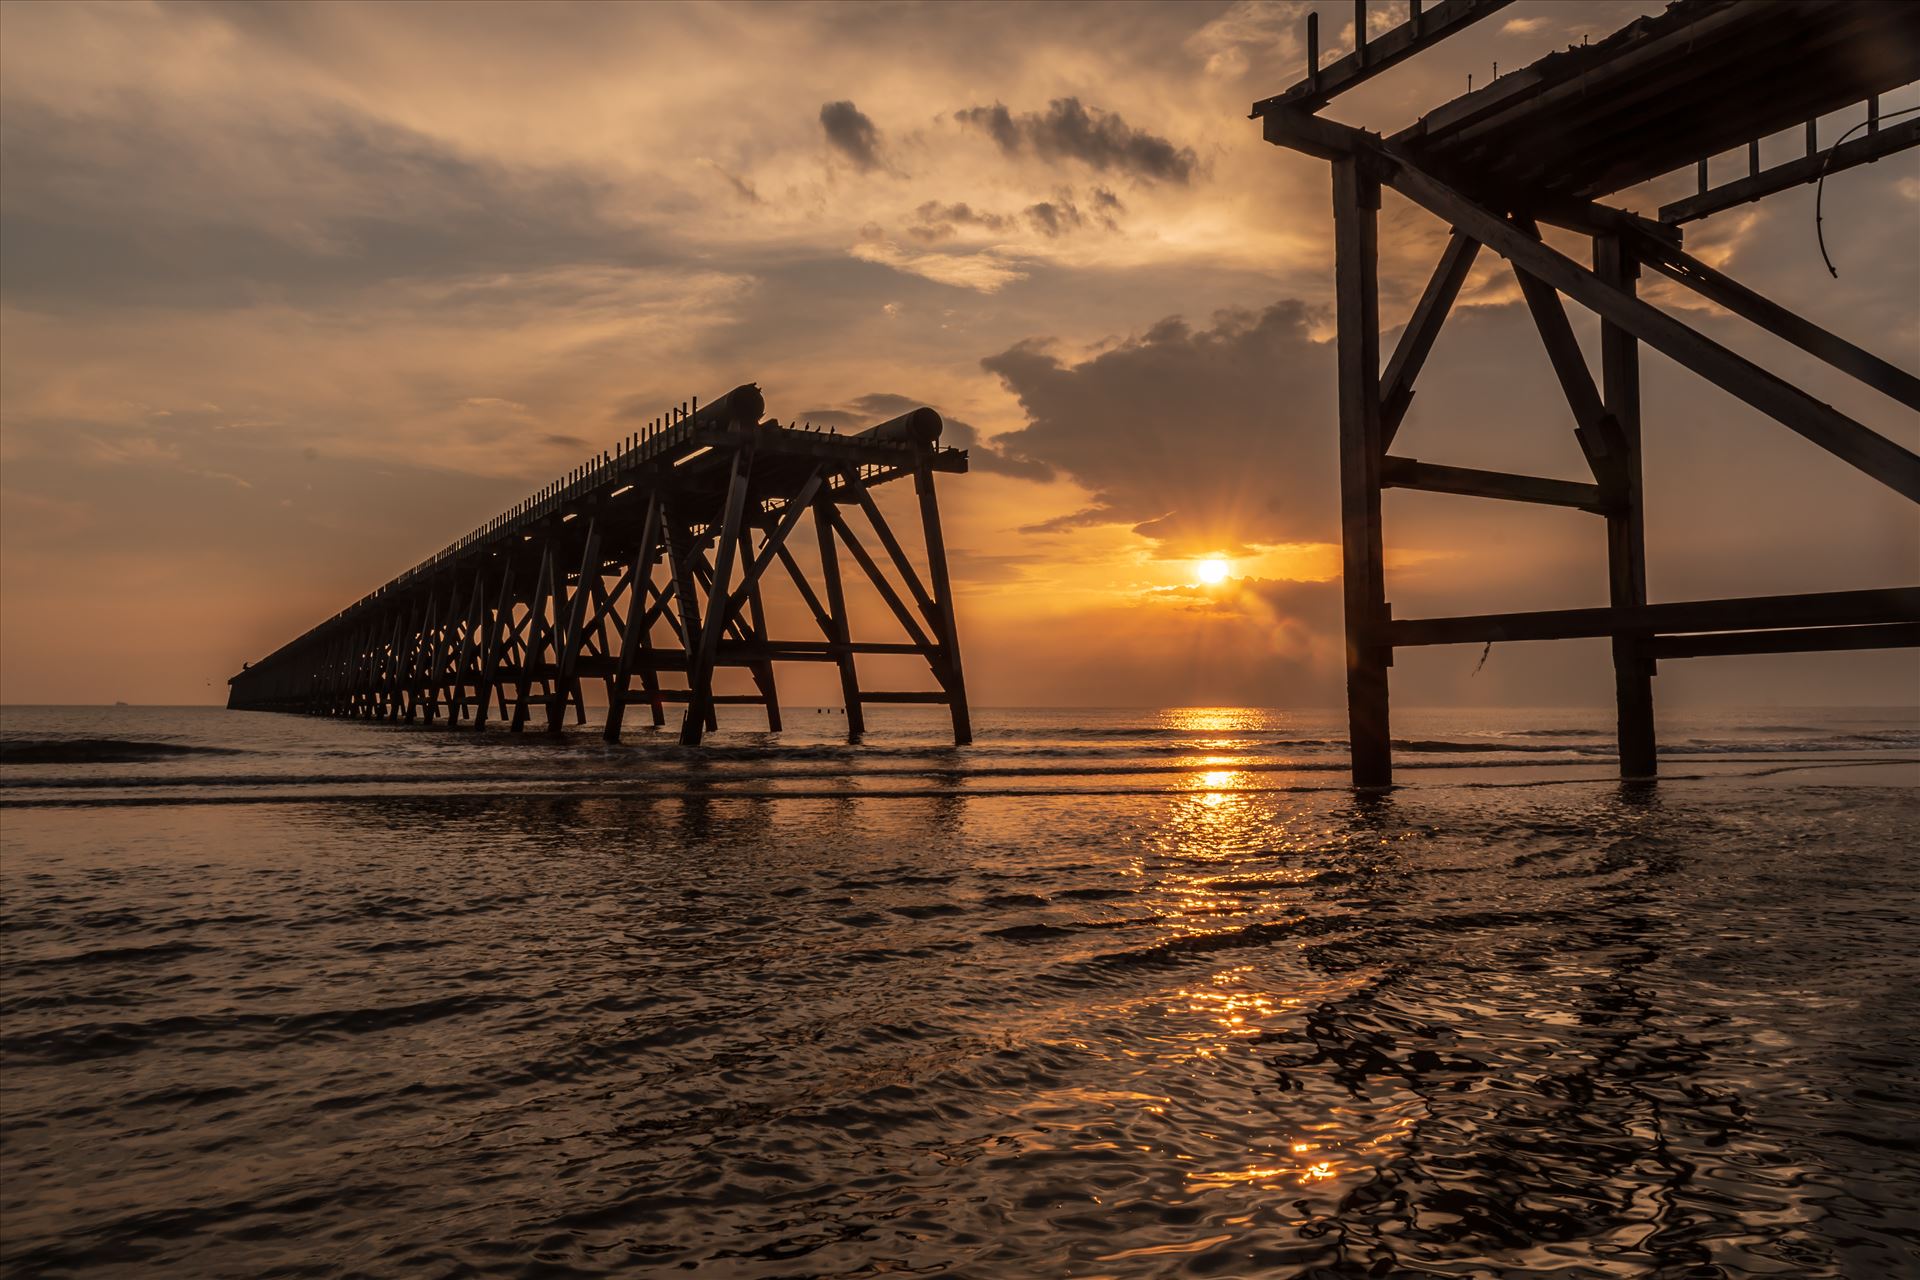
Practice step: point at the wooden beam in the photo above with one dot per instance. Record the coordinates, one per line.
(1749, 613)
(1423, 328)
(1633, 669)
(1865, 149)
(1410, 473)
(700, 675)
(1372, 56)
(1888, 379)
(836, 609)
(1885, 635)
(1595, 430)
(1885, 461)
(1356, 204)
(948, 669)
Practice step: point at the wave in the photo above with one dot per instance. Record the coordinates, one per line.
(99, 750)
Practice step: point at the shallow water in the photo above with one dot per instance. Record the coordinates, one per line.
(1111, 994)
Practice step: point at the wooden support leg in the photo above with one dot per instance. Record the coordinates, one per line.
(570, 625)
(494, 628)
(700, 660)
(762, 671)
(633, 636)
(951, 676)
(1356, 204)
(836, 609)
(1633, 669)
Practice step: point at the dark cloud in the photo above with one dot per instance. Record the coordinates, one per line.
(1102, 139)
(134, 208)
(852, 134)
(938, 221)
(1205, 440)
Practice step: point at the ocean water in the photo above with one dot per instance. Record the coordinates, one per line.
(1110, 993)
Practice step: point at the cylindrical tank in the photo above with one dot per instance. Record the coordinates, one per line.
(742, 405)
(916, 427)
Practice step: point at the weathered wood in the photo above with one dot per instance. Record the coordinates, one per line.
(1633, 668)
(1410, 473)
(700, 675)
(1597, 433)
(836, 610)
(1356, 202)
(1882, 376)
(1746, 613)
(947, 670)
(634, 636)
(1423, 328)
(1886, 635)
(1820, 423)
(1864, 149)
(1423, 30)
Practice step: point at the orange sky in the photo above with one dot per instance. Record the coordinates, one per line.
(290, 296)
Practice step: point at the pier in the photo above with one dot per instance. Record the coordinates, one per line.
(648, 570)
(1543, 144)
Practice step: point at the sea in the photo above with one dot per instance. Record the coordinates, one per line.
(1108, 993)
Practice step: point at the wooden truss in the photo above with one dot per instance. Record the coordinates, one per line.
(647, 572)
(1443, 165)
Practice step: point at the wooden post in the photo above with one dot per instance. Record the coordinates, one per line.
(1633, 670)
(633, 636)
(494, 640)
(762, 671)
(949, 669)
(1356, 204)
(700, 661)
(836, 603)
(570, 624)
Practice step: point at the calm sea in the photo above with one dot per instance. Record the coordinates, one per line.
(1110, 993)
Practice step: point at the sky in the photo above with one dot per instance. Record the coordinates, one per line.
(293, 295)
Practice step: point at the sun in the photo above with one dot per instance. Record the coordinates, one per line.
(1212, 571)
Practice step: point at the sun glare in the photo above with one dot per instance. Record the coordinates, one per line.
(1212, 571)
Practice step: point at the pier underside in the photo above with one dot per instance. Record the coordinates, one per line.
(647, 572)
(1536, 147)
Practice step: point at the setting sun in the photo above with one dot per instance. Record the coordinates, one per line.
(1212, 571)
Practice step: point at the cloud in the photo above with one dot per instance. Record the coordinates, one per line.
(1522, 26)
(132, 208)
(938, 221)
(852, 134)
(985, 272)
(1062, 215)
(1101, 139)
(1204, 440)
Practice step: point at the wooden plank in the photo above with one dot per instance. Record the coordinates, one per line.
(1886, 635)
(1410, 473)
(1864, 149)
(1747, 613)
(1884, 377)
(1423, 328)
(1356, 203)
(1820, 423)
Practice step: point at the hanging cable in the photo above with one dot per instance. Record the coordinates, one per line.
(1820, 190)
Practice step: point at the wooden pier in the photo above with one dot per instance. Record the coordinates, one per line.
(1543, 144)
(648, 570)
